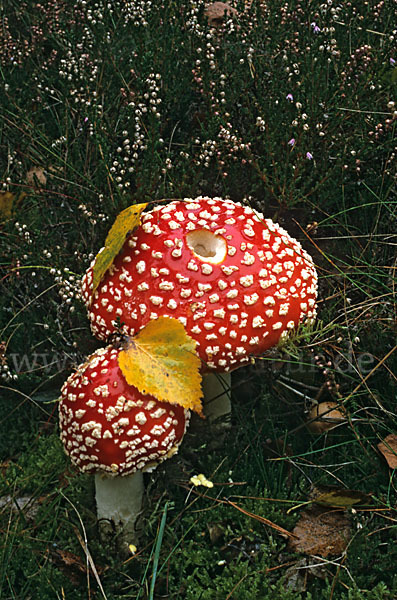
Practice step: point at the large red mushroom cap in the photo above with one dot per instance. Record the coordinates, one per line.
(237, 281)
(108, 426)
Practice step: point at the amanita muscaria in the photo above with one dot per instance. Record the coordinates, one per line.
(110, 429)
(237, 281)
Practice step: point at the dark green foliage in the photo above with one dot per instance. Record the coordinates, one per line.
(292, 109)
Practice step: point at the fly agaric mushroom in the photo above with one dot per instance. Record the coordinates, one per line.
(237, 281)
(112, 430)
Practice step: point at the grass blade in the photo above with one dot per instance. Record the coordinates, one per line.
(157, 551)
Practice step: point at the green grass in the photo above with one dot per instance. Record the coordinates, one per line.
(124, 102)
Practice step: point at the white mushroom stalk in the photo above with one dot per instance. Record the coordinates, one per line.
(119, 506)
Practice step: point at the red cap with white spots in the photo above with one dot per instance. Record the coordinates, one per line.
(237, 281)
(108, 426)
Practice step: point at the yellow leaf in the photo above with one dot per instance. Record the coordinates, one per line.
(126, 221)
(8, 202)
(161, 361)
(341, 498)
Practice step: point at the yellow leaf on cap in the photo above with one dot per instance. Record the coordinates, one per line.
(161, 361)
(126, 221)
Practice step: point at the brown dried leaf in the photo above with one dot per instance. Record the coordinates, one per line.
(215, 13)
(216, 532)
(325, 416)
(4, 466)
(321, 532)
(296, 576)
(36, 174)
(71, 565)
(389, 450)
(70, 560)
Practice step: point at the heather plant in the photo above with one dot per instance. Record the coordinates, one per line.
(288, 107)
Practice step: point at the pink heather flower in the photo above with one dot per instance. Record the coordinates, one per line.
(392, 62)
(291, 142)
(289, 97)
(316, 28)
(309, 156)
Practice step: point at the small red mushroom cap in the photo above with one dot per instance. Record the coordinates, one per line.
(237, 281)
(107, 425)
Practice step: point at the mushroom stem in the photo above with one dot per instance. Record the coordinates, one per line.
(217, 392)
(119, 504)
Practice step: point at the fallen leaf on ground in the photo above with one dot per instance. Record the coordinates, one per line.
(36, 174)
(5, 465)
(325, 416)
(339, 497)
(389, 450)
(216, 532)
(26, 504)
(321, 532)
(126, 222)
(161, 361)
(296, 576)
(215, 13)
(71, 565)
(8, 204)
